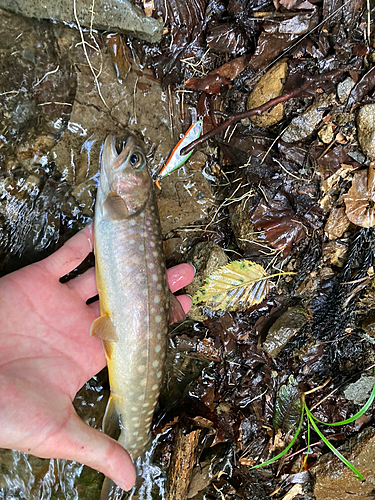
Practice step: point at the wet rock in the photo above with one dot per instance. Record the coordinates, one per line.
(184, 199)
(333, 479)
(206, 257)
(197, 160)
(269, 86)
(284, 328)
(366, 129)
(304, 125)
(110, 15)
(359, 392)
(344, 88)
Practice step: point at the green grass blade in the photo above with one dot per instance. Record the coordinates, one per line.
(285, 450)
(354, 417)
(308, 445)
(310, 417)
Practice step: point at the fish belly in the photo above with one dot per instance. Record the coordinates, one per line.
(133, 291)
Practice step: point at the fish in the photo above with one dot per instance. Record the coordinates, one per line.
(175, 159)
(136, 305)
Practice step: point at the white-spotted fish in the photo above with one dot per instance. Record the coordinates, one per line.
(134, 297)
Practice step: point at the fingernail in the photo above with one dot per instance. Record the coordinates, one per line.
(195, 271)
(123, 486)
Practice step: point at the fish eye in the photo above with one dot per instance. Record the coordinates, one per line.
(137, 160)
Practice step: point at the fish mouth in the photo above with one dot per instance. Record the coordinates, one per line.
(116, 152)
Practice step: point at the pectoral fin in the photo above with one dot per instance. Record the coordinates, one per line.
(104, 329)
(176, 313)
(115, 207)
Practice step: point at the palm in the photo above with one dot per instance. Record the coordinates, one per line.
(46, 357)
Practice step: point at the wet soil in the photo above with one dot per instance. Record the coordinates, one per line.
(292, 190)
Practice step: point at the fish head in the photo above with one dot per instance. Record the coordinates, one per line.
(125, 183)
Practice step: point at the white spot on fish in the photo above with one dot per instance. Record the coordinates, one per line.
(161, 309)
(158, 348)
(141, 368)
(140, 438)
(151, 265)
(152, 243)
(155, 364)
(156, 299)
(135, 433)
(132, 222)
(159, 374)
(146, 405)
(154, 387)
(158, 336)
(151, 412)
(134, 408)
(143, 382)
(137, 424)
(153, 310)
(158, 286)
(134, 419)
(141, 248)
(158, 319)
(155, 254)
(154, 277)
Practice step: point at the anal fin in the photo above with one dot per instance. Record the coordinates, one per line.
(104, 329)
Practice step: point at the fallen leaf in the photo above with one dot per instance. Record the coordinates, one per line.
(280, 224)
(360, 200)
(234, 287)
(220, 77)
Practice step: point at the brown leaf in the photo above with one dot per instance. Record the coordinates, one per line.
(220, 77)
(280, 224)
(360, 200)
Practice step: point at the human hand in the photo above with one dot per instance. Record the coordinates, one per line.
(47, 355)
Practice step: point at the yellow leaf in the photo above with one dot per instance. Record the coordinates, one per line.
(234, 287)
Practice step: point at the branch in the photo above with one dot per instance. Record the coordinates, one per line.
(261, 109)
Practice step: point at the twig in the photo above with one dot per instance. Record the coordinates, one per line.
(261, 109)
(86, 55)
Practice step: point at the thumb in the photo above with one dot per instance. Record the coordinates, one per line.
(79, 442)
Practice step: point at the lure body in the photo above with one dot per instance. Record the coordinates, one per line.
(176, 160)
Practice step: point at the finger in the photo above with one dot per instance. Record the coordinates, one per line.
(185, 301)
(71, 254)
(84, 285)
(180, 276)
(81, 443)
(95, 307)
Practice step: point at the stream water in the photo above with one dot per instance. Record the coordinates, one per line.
(52, 125)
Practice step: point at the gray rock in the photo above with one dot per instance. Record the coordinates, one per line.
(344, 88)
(366, 129)
(284, 328)
(304, 125)
(206, 257)
(359, 391)
(334, 480)
(109, 15)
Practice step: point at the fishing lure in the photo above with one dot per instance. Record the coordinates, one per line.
(176, 160)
